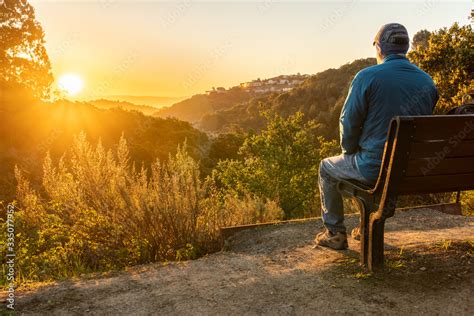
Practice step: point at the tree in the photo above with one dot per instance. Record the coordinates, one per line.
(281, 164)
(448, 56)
(23, 57)
(420, 39)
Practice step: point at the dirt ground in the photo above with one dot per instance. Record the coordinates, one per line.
(277, 270)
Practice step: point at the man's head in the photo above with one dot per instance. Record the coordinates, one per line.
(391, 39)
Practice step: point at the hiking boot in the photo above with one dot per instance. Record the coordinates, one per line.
(336, 241)
(355, 233)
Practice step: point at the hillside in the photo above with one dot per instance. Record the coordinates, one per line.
(320, 97)
(153, 101)
(220, 99)
(194, 108)
(276, 270)
(110, 104)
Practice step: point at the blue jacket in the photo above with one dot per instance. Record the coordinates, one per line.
(376, 95)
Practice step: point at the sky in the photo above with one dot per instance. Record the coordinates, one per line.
(180, 48)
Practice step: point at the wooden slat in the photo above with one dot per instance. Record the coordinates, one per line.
(439, 183)
(443, 127)
(445, 148)
(438, 166)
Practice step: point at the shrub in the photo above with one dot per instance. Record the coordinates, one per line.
(96, 211)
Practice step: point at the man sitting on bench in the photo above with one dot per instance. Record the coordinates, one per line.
(393, 87)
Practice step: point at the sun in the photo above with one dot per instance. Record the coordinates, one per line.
(71, 84)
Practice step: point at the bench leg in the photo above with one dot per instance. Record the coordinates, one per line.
(364, 230)
(376, 244)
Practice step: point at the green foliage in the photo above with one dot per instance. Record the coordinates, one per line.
(467, 203)
(23, 57)
(281, 164)
(222, 147)
(421, 40)
(448, 56)
(226, 146)
(189, 252)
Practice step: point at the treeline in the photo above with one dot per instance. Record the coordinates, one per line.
(112, 104)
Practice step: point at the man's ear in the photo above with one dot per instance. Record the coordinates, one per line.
(379, 50)
(379, 53)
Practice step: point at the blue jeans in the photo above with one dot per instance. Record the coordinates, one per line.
(331, 170)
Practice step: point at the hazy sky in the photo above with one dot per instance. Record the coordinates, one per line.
(179, 48)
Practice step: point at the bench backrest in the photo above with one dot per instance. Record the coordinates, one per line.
(429, 154)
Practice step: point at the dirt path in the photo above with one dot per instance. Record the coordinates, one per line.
(276, 270)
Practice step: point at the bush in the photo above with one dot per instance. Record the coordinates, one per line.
(95, 211)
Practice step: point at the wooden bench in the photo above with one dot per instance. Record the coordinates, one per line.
(423, 154)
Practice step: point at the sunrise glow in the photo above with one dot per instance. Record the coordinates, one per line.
(71, 84)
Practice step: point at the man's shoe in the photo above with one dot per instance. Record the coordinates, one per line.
(336, 241)
(355, 233)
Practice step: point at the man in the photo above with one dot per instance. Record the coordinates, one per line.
(392, 87)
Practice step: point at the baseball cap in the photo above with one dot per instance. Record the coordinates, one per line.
(393, 39)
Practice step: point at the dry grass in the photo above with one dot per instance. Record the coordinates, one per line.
(95, 211)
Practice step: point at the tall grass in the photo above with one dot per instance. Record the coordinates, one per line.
(96, 211)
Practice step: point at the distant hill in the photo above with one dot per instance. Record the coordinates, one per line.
(109, 104)
(194, 108)
(154, 101)
(319, 97)
(219, 99)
